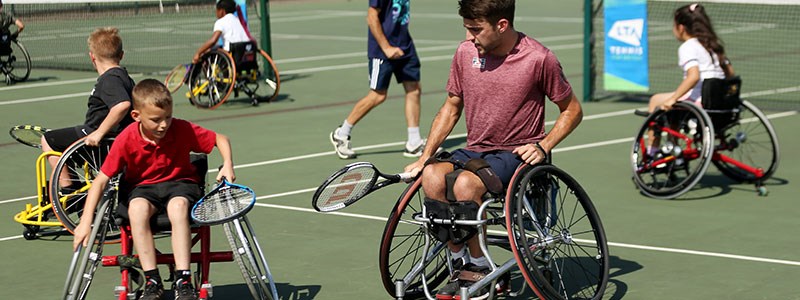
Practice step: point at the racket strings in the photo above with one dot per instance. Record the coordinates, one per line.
(348, 186)
(227, 202)
(31, 136)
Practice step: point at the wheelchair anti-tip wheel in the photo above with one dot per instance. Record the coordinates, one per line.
(750, 140)
(82, 165)
(86, 260)
(557, 237)
(403, 244)
(250, 258)
(672, 151)
(212, 79)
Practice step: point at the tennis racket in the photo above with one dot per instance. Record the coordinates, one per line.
(224, 203)
(29, 135)
(352, 183)
(177, 77)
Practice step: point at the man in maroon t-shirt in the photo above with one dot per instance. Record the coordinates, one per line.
(499, 79)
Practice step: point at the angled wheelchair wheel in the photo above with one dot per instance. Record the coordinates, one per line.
(82, 163)
(250, 258)
(557, 237)
(212, 79)
(752, 143)
(682, 137)
(86, 260)
(18, 63)
(402, 247)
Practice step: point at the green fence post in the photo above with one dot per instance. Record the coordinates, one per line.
(266, 37)
(588, 47)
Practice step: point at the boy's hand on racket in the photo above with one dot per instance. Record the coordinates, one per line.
(81, 235)
(227, 172)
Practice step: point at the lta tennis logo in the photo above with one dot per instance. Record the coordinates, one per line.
(628, 32)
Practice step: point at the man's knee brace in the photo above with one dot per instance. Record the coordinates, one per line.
(460, 210)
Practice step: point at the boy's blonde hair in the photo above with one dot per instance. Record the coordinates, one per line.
(106, 44)
(151, 92)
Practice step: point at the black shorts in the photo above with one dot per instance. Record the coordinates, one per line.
(159, 194)
(60, 139)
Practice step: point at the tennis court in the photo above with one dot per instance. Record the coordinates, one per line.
(719, 241)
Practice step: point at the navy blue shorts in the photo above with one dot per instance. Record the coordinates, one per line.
(503, 163)
(381, 70)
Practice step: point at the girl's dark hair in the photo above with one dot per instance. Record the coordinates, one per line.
(491, 10)
(227, 5)
(693, 17)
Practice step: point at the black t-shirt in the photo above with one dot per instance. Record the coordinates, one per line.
(112, 88)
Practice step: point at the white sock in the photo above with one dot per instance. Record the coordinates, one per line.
(460, 254)
(480, 261)
(344, 131)
(414, 138)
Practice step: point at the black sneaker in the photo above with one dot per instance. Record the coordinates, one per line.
(184, 290)
(153, 290)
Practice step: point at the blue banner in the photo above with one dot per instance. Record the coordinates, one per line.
(625, 64)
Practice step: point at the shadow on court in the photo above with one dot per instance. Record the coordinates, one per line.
(285, 292)
(717, 185)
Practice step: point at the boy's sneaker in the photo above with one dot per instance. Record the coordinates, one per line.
(152, 291)
(184, 290)
(342, 145)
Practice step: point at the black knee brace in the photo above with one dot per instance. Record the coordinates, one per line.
(460, 210)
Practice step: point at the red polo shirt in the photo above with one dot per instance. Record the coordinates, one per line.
(148, 163)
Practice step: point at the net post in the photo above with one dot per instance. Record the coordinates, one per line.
(588, 47)
(266, 39)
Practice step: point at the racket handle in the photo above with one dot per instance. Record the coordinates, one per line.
(406, 177)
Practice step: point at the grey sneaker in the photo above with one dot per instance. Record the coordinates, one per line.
(342, 146)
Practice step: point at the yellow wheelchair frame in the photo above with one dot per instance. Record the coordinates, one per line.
(33, 217)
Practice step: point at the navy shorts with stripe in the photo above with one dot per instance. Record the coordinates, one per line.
(503, 163)
(381, 70)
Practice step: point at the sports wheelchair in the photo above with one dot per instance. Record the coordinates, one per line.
(545, 219)
(729, 132)
(219, 73)
(57, 205)
(15, 63)
(110, 221)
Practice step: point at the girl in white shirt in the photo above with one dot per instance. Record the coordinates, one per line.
(701, 56)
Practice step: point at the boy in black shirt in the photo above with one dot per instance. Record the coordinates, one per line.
(109, 102)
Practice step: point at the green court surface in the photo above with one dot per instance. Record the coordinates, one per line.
(719, 241)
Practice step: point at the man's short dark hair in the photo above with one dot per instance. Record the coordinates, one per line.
(227, 5)
(489, 10)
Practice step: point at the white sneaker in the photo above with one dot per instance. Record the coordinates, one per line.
(417, 151)
(342, 145)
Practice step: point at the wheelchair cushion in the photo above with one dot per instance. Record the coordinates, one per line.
(245, 56)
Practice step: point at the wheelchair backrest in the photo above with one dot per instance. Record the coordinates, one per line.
(245, 55)
(721, 94)
(5, 43)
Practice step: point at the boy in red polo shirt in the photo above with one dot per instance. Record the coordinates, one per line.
(154, 152)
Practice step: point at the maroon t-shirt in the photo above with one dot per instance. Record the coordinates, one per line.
(504, 96)
(148, 163)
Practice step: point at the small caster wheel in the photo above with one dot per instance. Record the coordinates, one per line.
(254, 102)
(762, 191)
(30, 233)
